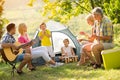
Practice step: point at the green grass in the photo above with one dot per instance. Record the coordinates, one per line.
(67, 72)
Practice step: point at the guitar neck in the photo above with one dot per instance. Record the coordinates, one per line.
(25, 45)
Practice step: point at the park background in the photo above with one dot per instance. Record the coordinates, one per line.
(69, 12)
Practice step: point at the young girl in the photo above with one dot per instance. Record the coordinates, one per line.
(90, 21)
(45, 36)
(67, 51)
(23, 37)
(86, 48)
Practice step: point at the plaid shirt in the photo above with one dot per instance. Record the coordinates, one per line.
(7, 38)
(0, 46)
(105, 28)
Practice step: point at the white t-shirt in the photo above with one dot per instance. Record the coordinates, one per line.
(68, 50)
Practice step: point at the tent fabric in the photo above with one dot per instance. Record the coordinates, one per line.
(55, 26)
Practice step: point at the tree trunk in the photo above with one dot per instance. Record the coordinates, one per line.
(92, 4)
(1, 23)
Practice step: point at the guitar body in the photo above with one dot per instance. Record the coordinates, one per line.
(9, 52)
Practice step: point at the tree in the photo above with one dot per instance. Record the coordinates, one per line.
(64, 10)
(1, 19)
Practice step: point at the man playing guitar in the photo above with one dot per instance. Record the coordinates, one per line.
(8, 42)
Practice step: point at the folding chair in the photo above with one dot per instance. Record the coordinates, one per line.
(13, 64)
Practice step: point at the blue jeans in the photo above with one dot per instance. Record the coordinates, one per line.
(19, 58)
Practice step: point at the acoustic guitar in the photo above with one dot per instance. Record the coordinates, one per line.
(10, 54)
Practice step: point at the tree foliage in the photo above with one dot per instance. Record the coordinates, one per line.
(64, 10)
(1, 19)
(112, 9)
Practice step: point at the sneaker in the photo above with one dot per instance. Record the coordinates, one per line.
(20, 72)
(57, 64)
(91, 64)
(96, 66)
(78, 64)
(32, 69)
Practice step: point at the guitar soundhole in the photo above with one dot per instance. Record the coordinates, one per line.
(16, 52)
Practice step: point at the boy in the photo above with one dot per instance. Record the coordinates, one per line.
(45, 36)
(67, 51)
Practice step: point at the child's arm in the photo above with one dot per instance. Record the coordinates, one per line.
(48, 33)
(73, 53)
(85, 34)
(80, 40)
(41, 35)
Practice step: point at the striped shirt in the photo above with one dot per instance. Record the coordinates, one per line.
(105, 28)
(7, 38)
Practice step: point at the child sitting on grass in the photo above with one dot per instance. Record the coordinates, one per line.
(67, 51)
(45, 36)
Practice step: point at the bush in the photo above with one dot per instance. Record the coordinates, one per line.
(117, 35)
(112, 9)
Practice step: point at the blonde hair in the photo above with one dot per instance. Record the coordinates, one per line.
(90, 17)
(21, 28)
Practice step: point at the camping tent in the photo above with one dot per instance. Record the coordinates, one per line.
(59, 33)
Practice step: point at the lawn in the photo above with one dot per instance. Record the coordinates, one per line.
(66, 72)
